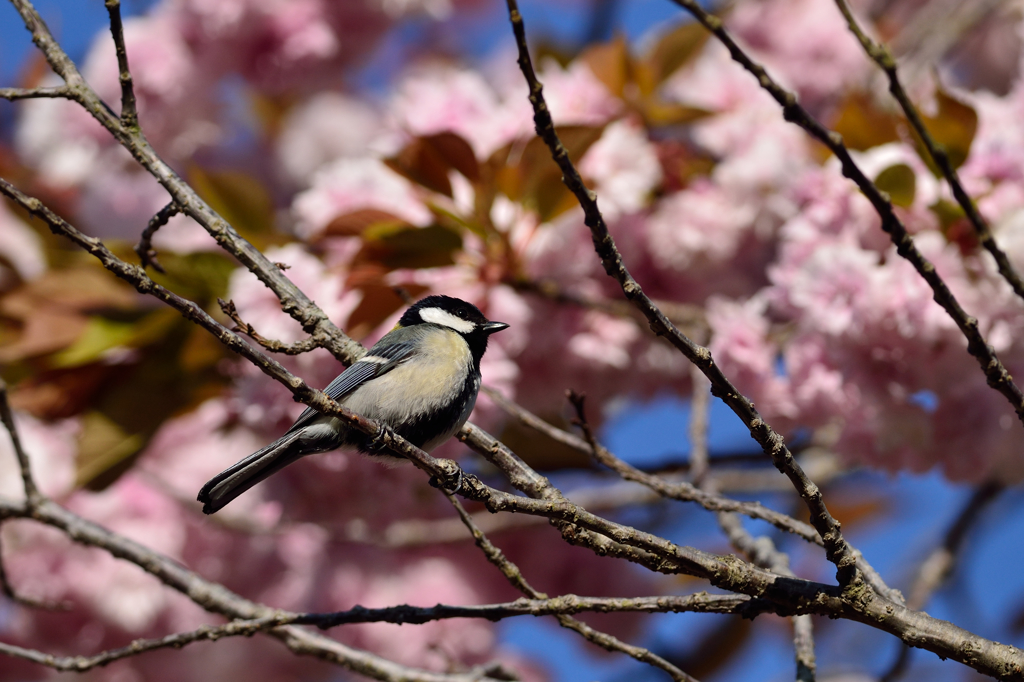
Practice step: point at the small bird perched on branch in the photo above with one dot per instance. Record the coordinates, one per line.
(420, 380)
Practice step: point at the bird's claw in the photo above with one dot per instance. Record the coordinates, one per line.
(445, 481)
(379, 442)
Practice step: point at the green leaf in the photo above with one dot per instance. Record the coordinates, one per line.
(100, 336)
(900, 182)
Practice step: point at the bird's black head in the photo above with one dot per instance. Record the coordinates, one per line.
(456, 314)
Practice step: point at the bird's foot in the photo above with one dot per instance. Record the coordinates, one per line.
(378, 444)
(450, 480)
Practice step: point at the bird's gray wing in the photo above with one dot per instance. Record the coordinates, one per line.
(395, 348)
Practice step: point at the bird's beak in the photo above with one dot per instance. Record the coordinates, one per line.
(492, 327)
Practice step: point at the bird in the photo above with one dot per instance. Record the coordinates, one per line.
(420, 381)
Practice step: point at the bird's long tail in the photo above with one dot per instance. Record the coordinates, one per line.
(239, 477)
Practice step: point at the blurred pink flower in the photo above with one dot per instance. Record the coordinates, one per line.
(348, 185)
(21, 250)
(804, 43)
(327, 127)
(624, 168)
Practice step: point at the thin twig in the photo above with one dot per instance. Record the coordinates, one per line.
(516, 578)
(881, 55)
(32, 494)
(129, 114)
(701, 602)
(144, 249)
(241, 326)
(539, 605)
(761, 551)
(12, 94)
(995, 373)
(939, 564)
(80, 664)
(690, 317)
(838, 551)
(680, 490)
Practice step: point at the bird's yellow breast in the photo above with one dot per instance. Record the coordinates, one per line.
(435, 376)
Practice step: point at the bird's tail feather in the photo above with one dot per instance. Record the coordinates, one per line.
(239, 477)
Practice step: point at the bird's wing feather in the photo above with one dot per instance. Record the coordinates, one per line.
(386, 354)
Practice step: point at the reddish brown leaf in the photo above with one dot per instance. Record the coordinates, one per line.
(379, 302)
(610, 63)
(61, 393)
(421, 163)
(456, 153)
(355, 223)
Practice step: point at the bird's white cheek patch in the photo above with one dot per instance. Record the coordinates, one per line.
(446, 319)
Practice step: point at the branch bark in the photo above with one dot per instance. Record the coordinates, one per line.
(837, 549)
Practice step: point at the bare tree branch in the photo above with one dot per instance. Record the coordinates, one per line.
(216, 598)
(602, 639)
(12, 94)
(881, 55)
(32, 494)
(855, 601)
(702, 602)
(129, 115)
(699, 404)
(837, 549)
(297, 348)
(995, 373)
(144, 249)
(681, 490)
(80, 664)
(939, 564)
